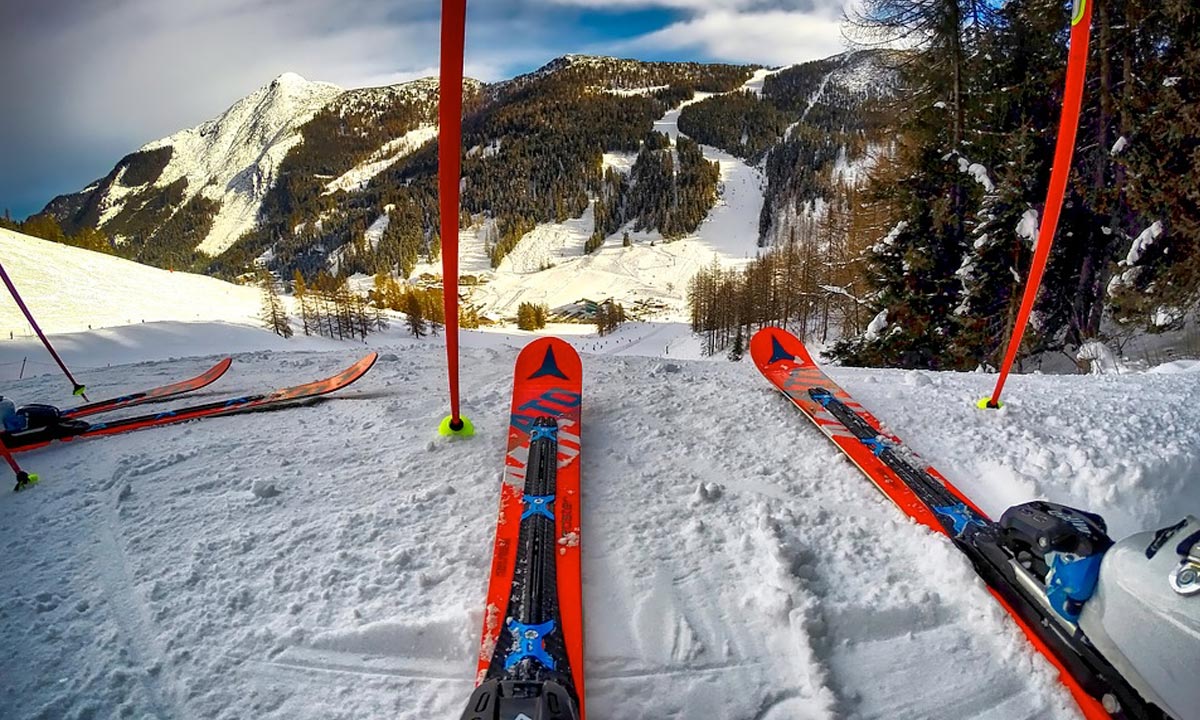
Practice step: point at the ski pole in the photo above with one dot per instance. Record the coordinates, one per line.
(24, 479)
(1081, 23)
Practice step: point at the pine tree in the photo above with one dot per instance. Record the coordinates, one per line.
(737, 351)
(525, 317)
(273, 315)
(378, 319)
(1158, 278)
(415, 315)
(300, 293)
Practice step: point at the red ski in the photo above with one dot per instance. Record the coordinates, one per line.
(72, 429)
(159, 393)
(531, 655)
(925, 495)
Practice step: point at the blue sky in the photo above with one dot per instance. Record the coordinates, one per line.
(87, 81)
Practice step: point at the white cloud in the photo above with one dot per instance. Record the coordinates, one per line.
(93, 80)
(774, 37)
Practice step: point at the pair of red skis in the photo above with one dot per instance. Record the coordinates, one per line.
(530, 662)
(70, 426)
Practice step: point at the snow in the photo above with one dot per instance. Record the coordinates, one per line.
(1101, 359)
(876, 326)
(375, 233)
(331, 560)
(548, 264)
(1143, 242)
(1164, 316)
(113, 202)
(816, 96)
(668, 124)
(392, 152)
(854, 173)
(68, 289)
(1027, 228)
(1176, 366)
(977, 172)
(233, 159)
(621, 162)
(492, 149)
(630, 92)
(754, 85)
(890, 239)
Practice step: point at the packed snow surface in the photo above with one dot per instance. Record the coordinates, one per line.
(331, 560)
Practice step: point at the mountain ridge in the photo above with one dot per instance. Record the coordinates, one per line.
(295, 173)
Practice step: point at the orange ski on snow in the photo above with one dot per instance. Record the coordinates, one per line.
(926, 496)
(72, 429)
(531, 652)
(204, 379)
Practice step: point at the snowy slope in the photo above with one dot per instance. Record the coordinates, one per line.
(69, 289)
(548, 265)
(729, 572)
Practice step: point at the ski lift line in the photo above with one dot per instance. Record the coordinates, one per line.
(79, 389)
(1081, 22)
(450, 90)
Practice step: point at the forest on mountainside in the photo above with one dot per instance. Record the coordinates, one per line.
(942, 233)
(963, 192)
(532, 151)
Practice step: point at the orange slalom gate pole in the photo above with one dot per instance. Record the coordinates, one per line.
(1081, 23)
(454, 22)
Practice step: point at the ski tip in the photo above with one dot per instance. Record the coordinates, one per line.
(987, 404)
(465, 427)
(771, 345)
(548, 360)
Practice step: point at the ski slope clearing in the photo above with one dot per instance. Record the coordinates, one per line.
(331, 560)
(69, 289)
(548, 265)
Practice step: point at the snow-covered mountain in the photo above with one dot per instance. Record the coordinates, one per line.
(299, 172)
(230, 161)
